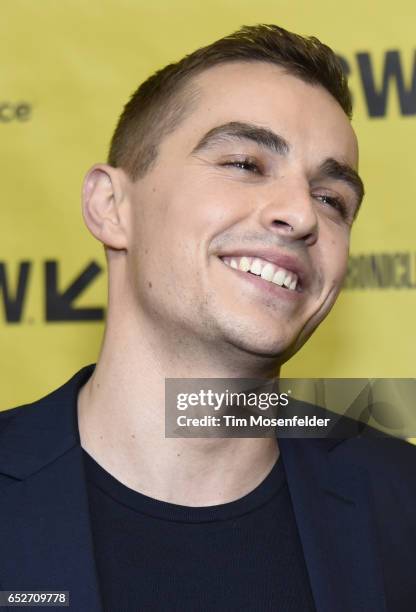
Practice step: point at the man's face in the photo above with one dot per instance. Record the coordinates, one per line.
(239, 234)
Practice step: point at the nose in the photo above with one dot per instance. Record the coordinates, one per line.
(290, 212)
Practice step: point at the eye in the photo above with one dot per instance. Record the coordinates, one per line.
(335, 202)
(243, 164)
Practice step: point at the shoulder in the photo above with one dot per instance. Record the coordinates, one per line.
(378, 450)
(8, 415)
(390, 462)
(48, 404)
(35, 434)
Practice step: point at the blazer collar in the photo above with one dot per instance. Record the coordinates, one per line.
(36, 434)
(44, 516)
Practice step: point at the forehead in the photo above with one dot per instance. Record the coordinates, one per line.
(305, 114)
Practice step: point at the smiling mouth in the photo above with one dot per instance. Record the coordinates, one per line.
(266, 270)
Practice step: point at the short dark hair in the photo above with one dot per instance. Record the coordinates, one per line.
(160, 103)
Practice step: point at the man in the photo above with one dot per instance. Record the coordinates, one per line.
(225, 211)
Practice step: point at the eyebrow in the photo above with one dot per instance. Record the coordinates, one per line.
(330, 168)
(338, 171)
(243, 131)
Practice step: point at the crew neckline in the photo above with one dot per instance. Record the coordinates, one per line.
(270, 486)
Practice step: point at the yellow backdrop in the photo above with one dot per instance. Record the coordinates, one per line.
(68, 68)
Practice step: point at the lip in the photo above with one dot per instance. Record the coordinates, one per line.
(283, 260)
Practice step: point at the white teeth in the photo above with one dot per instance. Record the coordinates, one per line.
(260, 267)
(287, 281)
(244, 264)
(279, 277)
(268, 272)
(256, 267)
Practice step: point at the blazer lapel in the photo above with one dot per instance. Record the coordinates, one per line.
(44, 516)
(332, 506)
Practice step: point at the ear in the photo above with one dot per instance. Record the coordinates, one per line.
(103, 195)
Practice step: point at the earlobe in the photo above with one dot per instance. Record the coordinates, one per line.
(102, 197)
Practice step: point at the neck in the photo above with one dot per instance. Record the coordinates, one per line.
(121, 412)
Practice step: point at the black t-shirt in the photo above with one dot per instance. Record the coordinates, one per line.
(156, 556)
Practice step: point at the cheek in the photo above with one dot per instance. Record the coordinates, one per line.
(335, 255)
(205, 208)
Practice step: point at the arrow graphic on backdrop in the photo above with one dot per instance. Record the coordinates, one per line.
(59, 304)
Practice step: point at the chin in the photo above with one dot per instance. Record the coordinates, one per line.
(265, 345)
(262, 337)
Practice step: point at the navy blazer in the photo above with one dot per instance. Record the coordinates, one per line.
(354, 502)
